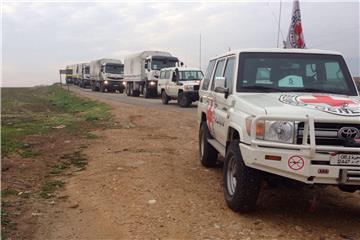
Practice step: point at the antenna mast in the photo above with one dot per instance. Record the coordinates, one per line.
(200, 53)
(278, 36)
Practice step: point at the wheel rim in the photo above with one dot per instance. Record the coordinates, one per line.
(230, 175)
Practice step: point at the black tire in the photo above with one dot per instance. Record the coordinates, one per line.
(146, 92)
(240, 195)
(127, 89)
(164, 97)
(208, 154)
(349, 188)
(136, 93)
(102, 88)
(183, 100)
(121, 91)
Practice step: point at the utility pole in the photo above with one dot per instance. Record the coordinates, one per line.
(278, 36)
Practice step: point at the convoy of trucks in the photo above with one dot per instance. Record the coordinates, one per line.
(142, 71)
(107, 75)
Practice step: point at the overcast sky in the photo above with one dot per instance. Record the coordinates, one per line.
(40, 38)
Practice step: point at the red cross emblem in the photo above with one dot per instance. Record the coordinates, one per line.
(326, 100)
(209, 114)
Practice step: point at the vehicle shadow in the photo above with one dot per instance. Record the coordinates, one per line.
(317, 207)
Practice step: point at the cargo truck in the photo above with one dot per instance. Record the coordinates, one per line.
(107, 75)
(85, 75)
(142, 71)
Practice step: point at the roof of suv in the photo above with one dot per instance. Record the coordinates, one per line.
(277, 50)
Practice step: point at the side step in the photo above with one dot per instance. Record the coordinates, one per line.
(220, 148)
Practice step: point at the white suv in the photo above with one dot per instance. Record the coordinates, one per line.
(179, 83)
(292, 114)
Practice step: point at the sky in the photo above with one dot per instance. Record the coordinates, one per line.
(39, 38)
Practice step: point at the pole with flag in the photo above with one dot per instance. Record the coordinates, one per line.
(295, 37)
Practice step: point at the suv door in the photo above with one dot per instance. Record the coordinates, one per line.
(210, 116)
(222, 104)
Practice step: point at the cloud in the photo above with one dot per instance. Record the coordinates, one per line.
(40, 38)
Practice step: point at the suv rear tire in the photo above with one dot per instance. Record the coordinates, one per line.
(183, 100)
(241, 183)
(164, 97)
(208, 154)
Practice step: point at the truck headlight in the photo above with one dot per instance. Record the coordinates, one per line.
(152, 83)
(279, 131)
(188, 87)
(106, 82)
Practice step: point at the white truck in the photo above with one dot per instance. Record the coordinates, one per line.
(142, 71)
(75, 74)
(179, 83)
(107, 75)
(84, 75)
(293, 114)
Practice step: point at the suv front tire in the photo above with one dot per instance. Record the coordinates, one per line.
(241, 183)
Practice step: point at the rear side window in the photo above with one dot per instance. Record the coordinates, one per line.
(162, 74)
(167, 74)
(218, 72)
(209, 70)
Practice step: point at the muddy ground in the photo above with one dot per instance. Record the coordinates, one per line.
(144, 181)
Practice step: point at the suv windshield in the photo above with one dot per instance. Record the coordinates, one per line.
(114, 68)
(294, 72)
(158, 64)
(190, 75)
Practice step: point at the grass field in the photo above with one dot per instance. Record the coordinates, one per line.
(28, 111)
(32, 171)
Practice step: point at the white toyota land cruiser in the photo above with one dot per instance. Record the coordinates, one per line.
(284, 113)
(179, 83)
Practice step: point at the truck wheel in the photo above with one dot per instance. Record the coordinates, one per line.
(136, 93)
(127, 89)
(146, 92)
(183, 100)
(208, 154)
(241, 183)
(164, 97)
(102, 88)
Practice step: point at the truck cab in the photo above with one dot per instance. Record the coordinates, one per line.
(179, 83)
(289, 113)
(111, 74)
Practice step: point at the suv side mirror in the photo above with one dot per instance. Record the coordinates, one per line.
(146, 65)
(220, 86)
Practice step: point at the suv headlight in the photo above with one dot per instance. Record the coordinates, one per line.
(276, 131)
(189, 87)
(279, 131)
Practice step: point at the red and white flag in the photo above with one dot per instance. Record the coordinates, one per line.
(295, 38)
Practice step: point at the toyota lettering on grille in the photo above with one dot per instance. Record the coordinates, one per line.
(348, 133)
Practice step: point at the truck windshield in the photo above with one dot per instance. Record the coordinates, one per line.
(114, 68)
(158, 64)
(190, 75)
(294, 72)
(87, 70)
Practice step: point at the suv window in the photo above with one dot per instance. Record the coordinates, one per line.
(209, 70)
(218, 71)
(167, 74)
(229, 73)
(162, 74)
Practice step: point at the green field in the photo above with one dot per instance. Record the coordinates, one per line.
(37, 110)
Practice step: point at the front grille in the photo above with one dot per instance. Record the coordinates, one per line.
(196, 87)
(326, 133)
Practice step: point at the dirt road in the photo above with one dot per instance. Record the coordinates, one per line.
(144, 181)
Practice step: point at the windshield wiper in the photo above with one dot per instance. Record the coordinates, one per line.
(261, 88)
